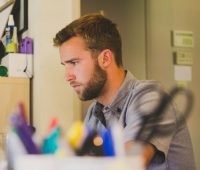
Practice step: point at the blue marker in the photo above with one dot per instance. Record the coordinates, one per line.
(108, 146)
(50, 143)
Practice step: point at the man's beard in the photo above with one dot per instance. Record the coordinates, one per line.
(95, 84)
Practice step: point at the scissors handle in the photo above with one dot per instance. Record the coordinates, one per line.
(166, 99)
(188, 95)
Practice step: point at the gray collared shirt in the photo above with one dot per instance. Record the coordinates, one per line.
(174, 146)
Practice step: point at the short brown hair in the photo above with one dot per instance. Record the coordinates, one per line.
(98, 32)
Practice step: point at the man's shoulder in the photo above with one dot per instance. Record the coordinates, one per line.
(145, 83)
(131, 84)
(141, 85)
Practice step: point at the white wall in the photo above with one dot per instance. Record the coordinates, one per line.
(162, 17)
(51, 96)
(129, 17)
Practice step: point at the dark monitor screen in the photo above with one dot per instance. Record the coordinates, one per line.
(20, 14)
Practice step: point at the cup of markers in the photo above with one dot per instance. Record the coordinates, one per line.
(77, 141)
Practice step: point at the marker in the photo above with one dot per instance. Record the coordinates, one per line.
(50, 143)
(24, 132)
(108, 145)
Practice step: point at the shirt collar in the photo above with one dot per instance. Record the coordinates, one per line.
(118, 100)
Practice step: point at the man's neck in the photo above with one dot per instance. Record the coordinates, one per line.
(112, 86)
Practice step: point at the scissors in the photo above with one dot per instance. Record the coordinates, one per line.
(153, 116)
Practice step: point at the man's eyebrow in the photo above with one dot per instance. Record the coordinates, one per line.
(69, 61)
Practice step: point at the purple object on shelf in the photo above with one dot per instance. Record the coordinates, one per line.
(26, 45)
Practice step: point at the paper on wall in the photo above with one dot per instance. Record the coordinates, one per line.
(183, 73)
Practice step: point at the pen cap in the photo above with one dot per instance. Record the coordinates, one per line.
(11, 20)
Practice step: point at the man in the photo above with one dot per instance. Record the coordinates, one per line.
(90, 50)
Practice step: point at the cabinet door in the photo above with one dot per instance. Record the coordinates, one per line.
(12, 92)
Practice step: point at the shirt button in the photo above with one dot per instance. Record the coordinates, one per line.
(119, 110)
(106, 108)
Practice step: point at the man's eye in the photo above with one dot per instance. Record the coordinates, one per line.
(74, 62)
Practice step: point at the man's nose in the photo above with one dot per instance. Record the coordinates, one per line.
(69, 75)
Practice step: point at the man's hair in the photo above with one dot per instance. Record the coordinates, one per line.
(98, 32)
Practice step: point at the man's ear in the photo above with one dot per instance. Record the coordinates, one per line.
(105, 58)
